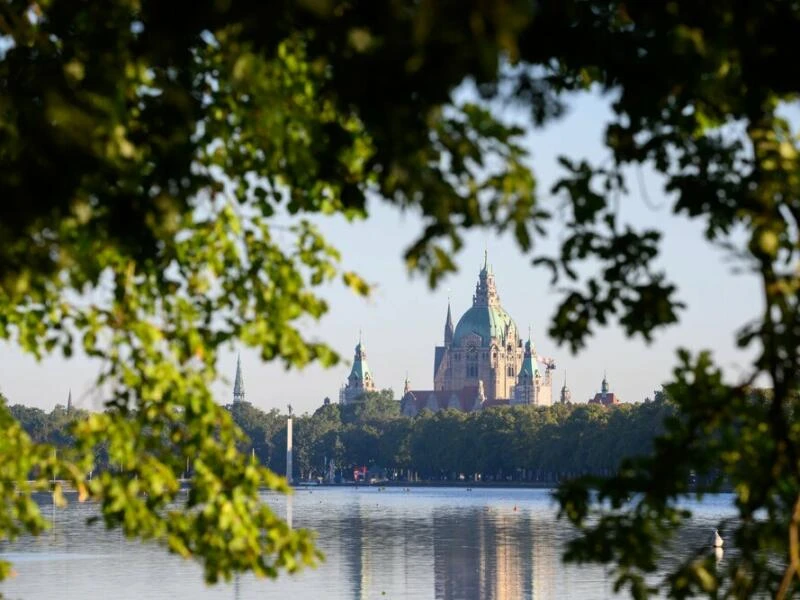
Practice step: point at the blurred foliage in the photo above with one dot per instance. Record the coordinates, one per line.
(158, 164)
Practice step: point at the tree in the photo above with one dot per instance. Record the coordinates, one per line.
(494, 437)
(372, 406)
(393, 444)
(260, 429)
(148, 156)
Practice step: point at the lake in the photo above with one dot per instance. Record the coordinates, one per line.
(424, 543)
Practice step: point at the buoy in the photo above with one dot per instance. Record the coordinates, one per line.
(716, 539)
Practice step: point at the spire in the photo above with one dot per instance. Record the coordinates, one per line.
(360, 379)
(69, 401)
(485, 290)
(487, 268)
(360, 353)
(448, 326)
(406, 385)
(604, 386)
(566, 395)
(238, 385)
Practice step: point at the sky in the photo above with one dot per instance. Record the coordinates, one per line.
(404, 320)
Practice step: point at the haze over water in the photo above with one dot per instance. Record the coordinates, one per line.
(446, 543)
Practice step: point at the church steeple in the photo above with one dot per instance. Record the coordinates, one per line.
(566, 395)
(238, 385)
(604, 386)
(69, 401)
(360, 379)
(448, 327)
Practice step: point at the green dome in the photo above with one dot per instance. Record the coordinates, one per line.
(486, 321)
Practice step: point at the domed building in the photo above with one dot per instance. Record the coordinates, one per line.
(483, 361)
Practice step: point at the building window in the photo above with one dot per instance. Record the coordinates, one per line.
(510, 371)
(472, 370)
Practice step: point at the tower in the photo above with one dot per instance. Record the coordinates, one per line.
(566, 395)
(525, 389)
(238, 385)
(360, 379)
(69, 401)
(485, 289)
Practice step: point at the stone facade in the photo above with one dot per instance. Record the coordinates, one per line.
(484, 351)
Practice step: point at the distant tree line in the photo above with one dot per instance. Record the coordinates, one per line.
(524, 443)
(47, 428)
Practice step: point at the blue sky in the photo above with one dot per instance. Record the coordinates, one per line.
(404, 319)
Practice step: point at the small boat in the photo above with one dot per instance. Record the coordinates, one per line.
(716, 539)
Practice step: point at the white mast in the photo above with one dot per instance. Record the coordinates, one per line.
(289, 446)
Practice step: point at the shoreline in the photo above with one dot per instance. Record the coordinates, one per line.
(433, 484)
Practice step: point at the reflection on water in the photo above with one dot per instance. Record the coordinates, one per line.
(500, 555)
(424, 543)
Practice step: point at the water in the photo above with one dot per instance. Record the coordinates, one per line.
(420, 544)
